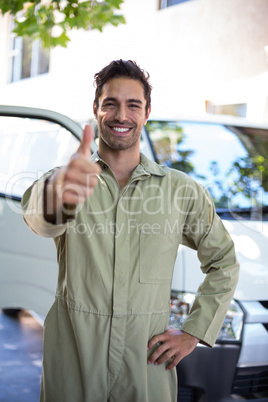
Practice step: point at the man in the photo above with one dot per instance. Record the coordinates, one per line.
(112, 216)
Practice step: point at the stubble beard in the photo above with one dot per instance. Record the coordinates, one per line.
(117, 143)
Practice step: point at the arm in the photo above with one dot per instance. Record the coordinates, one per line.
(216, 252)
(218, 261)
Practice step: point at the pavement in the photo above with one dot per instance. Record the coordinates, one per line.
(21, 352)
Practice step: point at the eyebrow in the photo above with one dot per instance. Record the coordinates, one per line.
(109, 99)
(134, 101)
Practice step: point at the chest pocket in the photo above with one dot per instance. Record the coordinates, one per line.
(158, 253)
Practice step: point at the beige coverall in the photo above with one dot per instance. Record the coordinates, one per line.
(116, 260)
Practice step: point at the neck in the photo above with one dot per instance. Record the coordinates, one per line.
(122, 162)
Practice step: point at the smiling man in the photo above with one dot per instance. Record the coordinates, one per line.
(121, 111)
(120, 116)
(112, 216)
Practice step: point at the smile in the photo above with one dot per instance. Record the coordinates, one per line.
(121, 129)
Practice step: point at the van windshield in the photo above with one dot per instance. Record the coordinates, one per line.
(230, 161)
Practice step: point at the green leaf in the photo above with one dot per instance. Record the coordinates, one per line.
(38, 22)
(61, 40)
(115, 3)
(11, 6)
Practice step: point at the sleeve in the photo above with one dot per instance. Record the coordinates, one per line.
(215, 250)
(32, 205)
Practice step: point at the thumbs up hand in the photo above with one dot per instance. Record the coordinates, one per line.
(84, 147)
(73, 183)
(81, 174)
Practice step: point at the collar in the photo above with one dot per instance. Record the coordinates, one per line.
(151, 167)
(146, 166)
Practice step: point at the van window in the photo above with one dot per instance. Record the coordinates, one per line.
(28, 149)
(231, 162)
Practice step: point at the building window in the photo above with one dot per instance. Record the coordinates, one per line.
(231, 109)
(27, 58)
(169, 3)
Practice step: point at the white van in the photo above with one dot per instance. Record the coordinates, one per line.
(230, 158)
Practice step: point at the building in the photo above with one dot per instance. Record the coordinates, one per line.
(202, 55)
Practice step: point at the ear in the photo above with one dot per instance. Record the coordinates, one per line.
(147, 115)
(95, 109)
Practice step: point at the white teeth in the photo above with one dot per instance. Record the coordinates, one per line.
(120, 129)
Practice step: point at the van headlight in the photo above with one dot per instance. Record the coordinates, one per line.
(181, 303)
(233, 323)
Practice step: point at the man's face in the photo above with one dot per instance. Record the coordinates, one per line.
(121, 113)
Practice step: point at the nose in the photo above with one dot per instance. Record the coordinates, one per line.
(121, 113)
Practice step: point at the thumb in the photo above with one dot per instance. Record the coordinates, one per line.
(87, 138)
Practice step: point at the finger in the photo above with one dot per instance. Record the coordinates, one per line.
(87, 138)
(162, 349)
(165, 357)
(76, 194)
(173, 362)
(156, 339)
(79, 174)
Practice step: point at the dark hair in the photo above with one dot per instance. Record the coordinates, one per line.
(123, 68)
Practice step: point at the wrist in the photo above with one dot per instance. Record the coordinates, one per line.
(55, 211)
(192, 338)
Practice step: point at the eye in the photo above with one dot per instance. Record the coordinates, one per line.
(108, 104)
(134, 106)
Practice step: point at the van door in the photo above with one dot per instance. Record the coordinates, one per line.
(32, 141)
